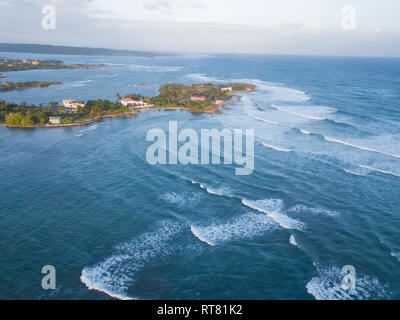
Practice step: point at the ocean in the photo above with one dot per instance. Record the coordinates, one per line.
(324, 193)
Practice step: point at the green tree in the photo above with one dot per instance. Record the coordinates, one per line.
(27, 121)
(96, 110)
(14, 119)
(67, 120)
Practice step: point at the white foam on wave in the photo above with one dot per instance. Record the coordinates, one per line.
(354, 173)
(181, 199)
(262, 119)
(272, 208)
(275, 148)
(199, 234)
(223, 191)
(305, 116)
(115, 274)
(202, 77)
(380, 171)
(360, 147)
(245, 227)
(292, 241)
(352, 145)
(305, 132)
(328, 286)
(396, 254)
(315, 211)
(281, 93)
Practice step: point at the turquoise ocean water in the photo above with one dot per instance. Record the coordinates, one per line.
(324, 193)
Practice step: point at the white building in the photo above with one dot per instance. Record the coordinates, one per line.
(55, 120)
(135, 103)
(229, 89)
(72, 105)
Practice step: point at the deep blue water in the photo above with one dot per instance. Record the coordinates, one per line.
(327, 166)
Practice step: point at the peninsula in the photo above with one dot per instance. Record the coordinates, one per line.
(196, 98)
(9, 65)
(11, 86)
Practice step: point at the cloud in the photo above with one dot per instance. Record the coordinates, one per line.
(164, 25)
(167, 6)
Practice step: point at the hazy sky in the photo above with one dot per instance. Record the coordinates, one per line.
(237, 26)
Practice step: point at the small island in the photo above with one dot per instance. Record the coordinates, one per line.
(9, 65)
(196, 98)
(3, 76)
(10, 86)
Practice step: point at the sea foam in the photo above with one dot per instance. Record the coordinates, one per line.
(380, 171)
(292, 241)
(276, 148)
(314, 211)
(328, 286)
(272, 208)
(246, 226)
(116, 273)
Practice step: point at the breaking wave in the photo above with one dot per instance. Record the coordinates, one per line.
(272, 208)
(115, 274)
(317, 211)
(396, 254)
(244, 227)
(182, 199)
(305, 116)
(354, 173)
(292, 241)
(348, 144)
(223, 192)
(380, 171)
(262, 119)
(328, 286)
(275, 148)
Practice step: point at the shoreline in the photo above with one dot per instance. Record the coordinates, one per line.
(216, 108)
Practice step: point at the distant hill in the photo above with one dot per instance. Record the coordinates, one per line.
(65, 50)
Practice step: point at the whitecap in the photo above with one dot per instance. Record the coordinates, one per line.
(181, 199)
(243, 227)
(115, 274)
(396, 254)
(305, 116)
(222, 191)
(272, 208)
(276, 148)
(379, 170)
(328, 286)
(315, 211)
(292, 241)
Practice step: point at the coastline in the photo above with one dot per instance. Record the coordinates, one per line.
(216, 108)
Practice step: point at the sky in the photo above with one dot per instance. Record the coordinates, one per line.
(312, 27)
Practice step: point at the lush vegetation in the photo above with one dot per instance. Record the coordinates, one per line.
(7, 65)
(23, 115)
(10, 86)
(28, 116)
(170, 96)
